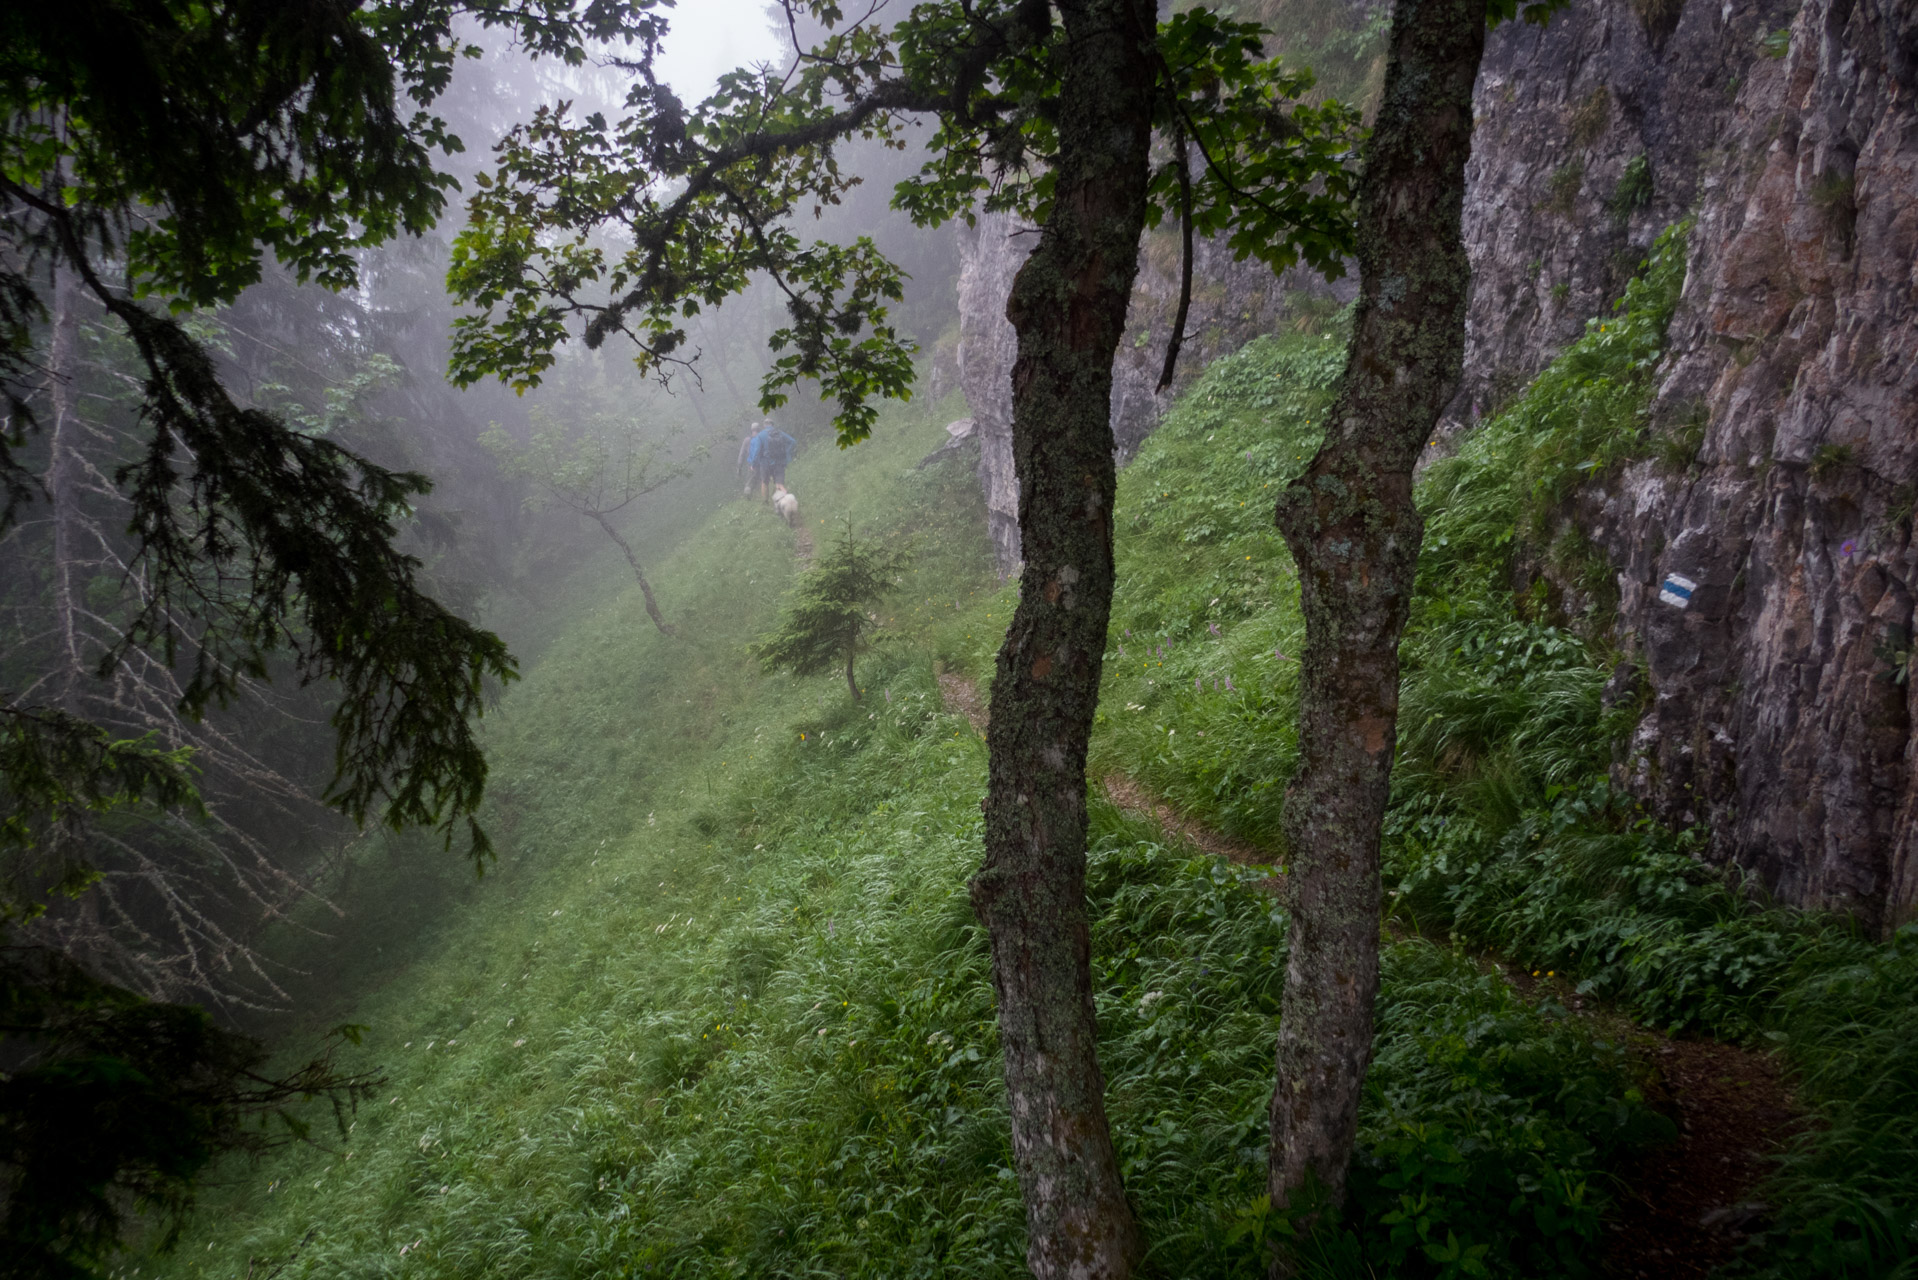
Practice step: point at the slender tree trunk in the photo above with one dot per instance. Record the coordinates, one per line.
(1354, 534)
(645, 587)
(1068, 307)
(64, 467)
(851, 651)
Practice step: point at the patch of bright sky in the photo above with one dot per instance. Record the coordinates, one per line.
(707, 38)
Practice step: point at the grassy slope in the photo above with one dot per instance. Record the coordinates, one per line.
(724, 1011)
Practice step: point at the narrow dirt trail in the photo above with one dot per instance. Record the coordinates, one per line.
(1682, 1210)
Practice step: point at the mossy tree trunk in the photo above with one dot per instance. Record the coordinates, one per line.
(1068, 308)
(1354, 534)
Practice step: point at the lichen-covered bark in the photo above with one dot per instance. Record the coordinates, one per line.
(1354, 533)
(1068, 306)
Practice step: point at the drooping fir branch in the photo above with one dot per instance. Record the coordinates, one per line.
(253, 538)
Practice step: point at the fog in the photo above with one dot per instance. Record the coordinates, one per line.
(711, 37)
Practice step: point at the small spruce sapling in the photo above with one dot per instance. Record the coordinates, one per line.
(829, 616)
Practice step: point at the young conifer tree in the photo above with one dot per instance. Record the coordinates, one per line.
(830, 614)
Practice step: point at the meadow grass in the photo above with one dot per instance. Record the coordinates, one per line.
(1505, 830)
(723, 1009)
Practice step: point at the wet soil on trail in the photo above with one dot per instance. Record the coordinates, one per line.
(1129, 795)
(1679, 1211)
(962, 696)
(1685, 1209)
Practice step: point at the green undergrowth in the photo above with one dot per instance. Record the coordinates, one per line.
(1504, 830)
(723, 1010)
(757, 1039)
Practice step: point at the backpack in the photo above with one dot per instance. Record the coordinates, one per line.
(777, 449)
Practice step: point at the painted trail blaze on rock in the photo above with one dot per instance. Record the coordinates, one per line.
(1677, 590)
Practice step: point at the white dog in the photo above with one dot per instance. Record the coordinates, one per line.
(785, 504)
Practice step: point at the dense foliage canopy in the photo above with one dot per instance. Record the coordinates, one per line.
(635, 225)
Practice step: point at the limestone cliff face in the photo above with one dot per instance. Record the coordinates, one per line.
(1593, 134)
(990, 254)
(1778, 706)
(1232, 303)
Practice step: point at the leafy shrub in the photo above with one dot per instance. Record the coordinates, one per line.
(1634, 189)
(1561, 189)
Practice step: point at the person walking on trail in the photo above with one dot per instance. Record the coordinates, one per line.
(771, 450)
(741, 467)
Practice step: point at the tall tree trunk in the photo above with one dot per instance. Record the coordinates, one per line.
(1354, 533)
(645, 587)
(1068, 307)
(852, 649)
(64, 470)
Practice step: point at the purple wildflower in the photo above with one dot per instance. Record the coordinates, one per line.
(1198, 685)
(1848, 546)
(1213, 627)
(1228, 685)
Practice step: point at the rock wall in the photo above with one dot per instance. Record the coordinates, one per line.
(1778, 709)
(1594, 133)
(990, 254)
(1232, 303)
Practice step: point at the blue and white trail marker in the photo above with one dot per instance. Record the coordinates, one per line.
(1677, 590)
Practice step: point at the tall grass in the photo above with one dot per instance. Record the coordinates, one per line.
(725, 1011)
(1504, 829)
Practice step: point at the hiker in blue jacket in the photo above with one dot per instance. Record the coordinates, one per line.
(769, 453)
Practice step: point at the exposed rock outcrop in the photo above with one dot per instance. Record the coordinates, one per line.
(1778, 705)
(1779, 709)
(1232, 303)
(1594, 134)
(990, 254)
